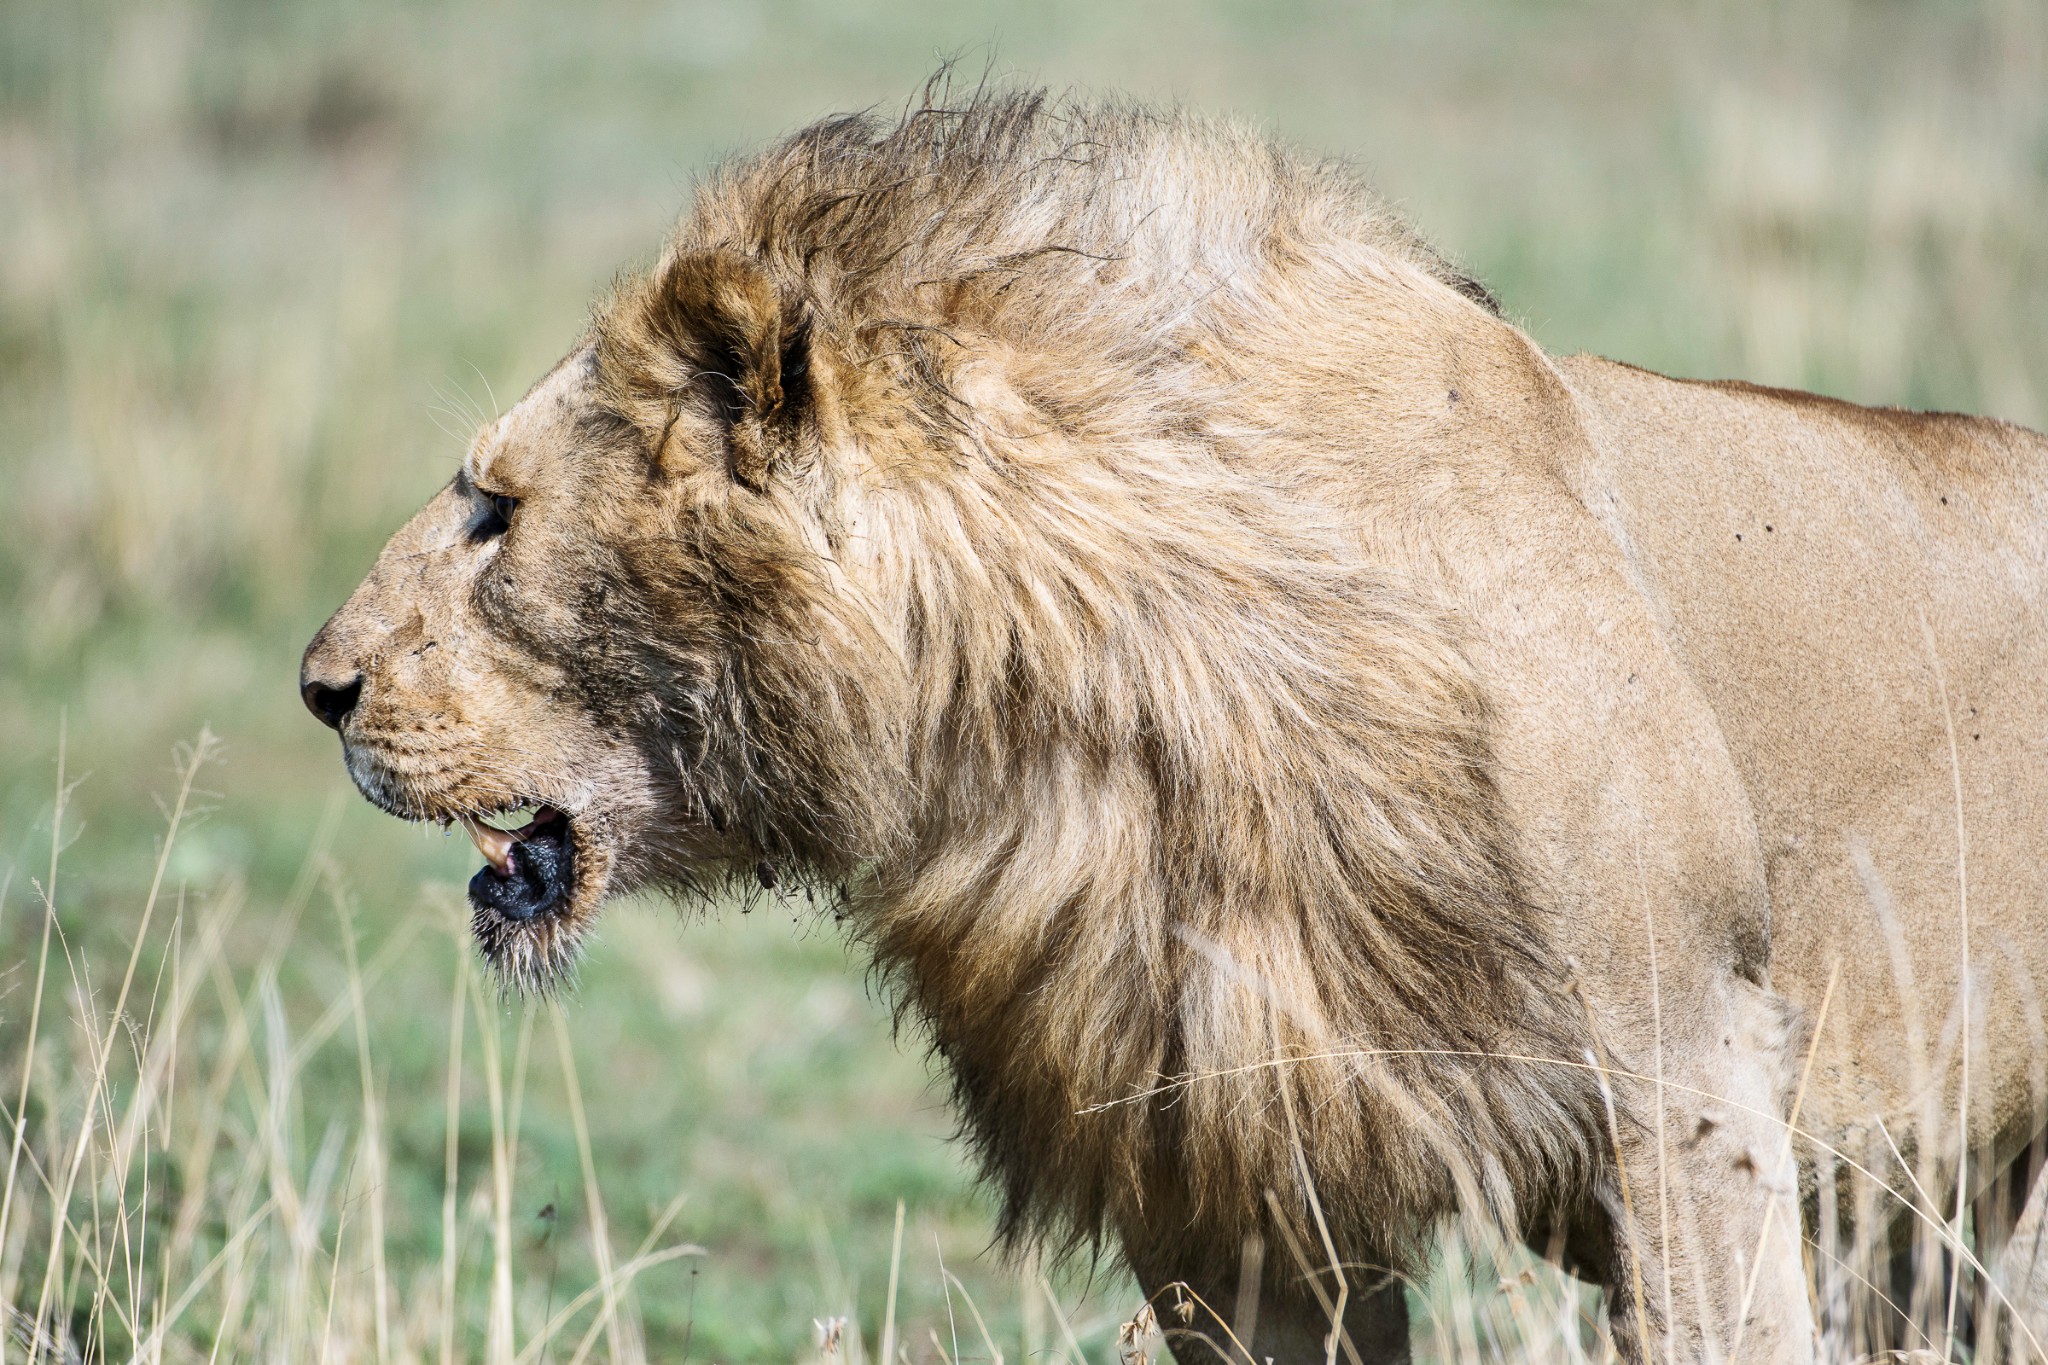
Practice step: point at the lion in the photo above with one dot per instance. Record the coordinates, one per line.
(1312, 764)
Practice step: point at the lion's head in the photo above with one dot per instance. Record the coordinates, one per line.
(628, 614)
(701, 599)
(906, 486)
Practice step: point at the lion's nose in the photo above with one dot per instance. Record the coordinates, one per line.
(331, 674)
(331, 702)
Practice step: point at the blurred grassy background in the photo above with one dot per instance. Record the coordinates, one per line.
(262, 264)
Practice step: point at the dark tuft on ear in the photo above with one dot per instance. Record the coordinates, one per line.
(713, 324)
(727, 311)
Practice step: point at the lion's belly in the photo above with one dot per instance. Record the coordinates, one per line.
(1849, 589)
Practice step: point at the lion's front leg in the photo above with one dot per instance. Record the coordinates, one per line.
(1704, 1219)
(1262, 1312)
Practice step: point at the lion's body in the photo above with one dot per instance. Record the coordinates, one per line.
(1861, 594)
(1259, 704)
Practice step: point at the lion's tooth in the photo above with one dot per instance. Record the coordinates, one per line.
(494, 844)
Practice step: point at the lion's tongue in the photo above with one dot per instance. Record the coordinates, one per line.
(496, 844)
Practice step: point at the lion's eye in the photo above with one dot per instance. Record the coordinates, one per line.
(497, 517)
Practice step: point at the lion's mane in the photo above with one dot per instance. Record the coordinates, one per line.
(1168, 813)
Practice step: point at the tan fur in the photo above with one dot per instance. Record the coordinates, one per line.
(1245, 694)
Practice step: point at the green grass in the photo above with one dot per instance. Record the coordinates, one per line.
(261, 267)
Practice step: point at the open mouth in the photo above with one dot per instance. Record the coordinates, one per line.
(528, 872)
(546, 869)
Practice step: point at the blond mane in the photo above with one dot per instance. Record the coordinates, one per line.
(1136, 768)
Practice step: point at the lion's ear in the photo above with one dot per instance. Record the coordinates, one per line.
(749, 344)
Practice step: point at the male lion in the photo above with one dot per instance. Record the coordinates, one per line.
(1313, 763)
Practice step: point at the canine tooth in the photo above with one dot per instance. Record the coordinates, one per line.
(494, 844)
